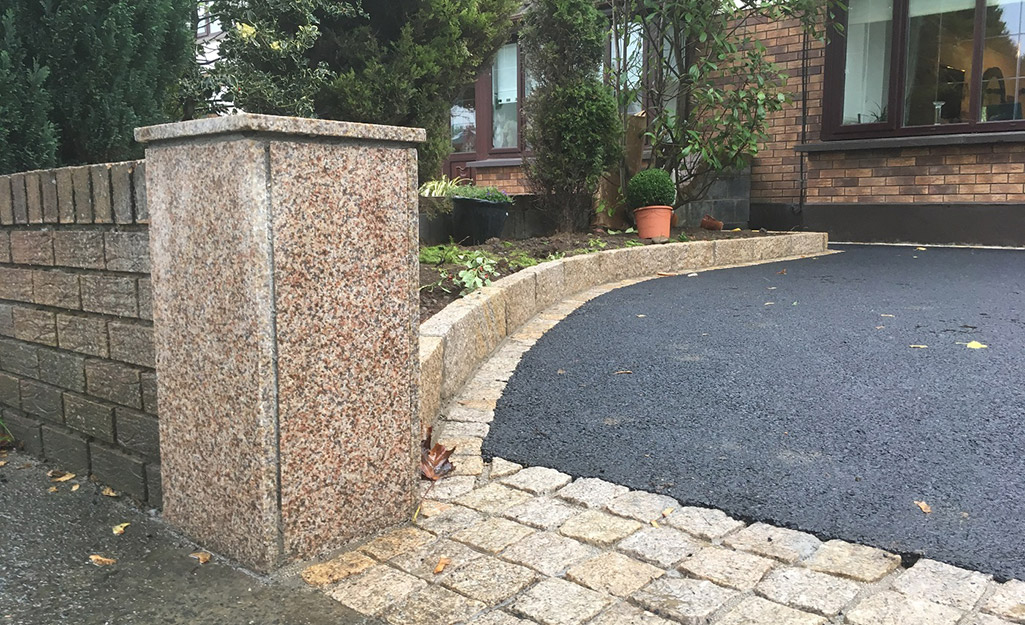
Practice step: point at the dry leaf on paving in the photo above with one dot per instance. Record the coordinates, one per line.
(101, 561)
(975, 345)
(108, 492)
(655, 524)
(624, 372)
(442, 563)
(3, 463)
(120, 529)
(920, 249)
(202, 556)
(926, 508)
(75, 487)
(62, 477)
(434, 460)
(885, 315)
(52, 489)
(667, 512)
(919, 346)
(561, 371)
(782, 273)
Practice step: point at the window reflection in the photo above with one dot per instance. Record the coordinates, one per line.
(1002, 85)
(939, 61)
(463, 121)
(504, 92)
(867, 78)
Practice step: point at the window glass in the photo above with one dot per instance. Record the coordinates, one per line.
(628, 60)
(939, 61)
(1002, 85)
(867, 78)
(463, 121)
(504, 92)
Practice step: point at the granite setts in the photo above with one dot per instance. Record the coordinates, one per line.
(454, 342)
(503, 544)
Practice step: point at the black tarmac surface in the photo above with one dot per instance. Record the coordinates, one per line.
(46, 577)
(795, 398)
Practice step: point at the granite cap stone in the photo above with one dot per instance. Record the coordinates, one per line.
(249, 123)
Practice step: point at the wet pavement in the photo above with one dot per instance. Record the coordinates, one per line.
(46, 576)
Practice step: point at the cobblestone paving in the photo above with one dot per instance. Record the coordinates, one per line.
(500, 544)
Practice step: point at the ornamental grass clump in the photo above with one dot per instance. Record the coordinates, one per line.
(651, 187)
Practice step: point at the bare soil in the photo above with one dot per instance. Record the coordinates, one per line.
(436, 292)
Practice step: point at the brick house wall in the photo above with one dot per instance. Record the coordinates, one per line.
(512, 179)
(77, 380)
(926, 190)
(776, 171)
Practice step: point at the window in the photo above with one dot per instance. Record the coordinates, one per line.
(505, 81)
(463, 121)
(907, 67)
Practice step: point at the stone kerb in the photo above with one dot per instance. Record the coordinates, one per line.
(455, 341)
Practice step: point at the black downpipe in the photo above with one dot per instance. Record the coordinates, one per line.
(799, 209)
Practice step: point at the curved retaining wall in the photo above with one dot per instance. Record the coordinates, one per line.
(454, 342)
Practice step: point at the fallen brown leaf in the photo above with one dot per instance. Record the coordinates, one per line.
(3, 463)
(667, 512)
(926, 508)
(75, 487)
(202, 556)
(101, 561)
(61, 476)
(52, 489)
(442, 563)
(109, 492)
(655, 524)
(782, 273)
(919, 346)
(434, 461)
(120, 529)
(623, 372)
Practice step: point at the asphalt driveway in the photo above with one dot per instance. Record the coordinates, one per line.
(792, 393)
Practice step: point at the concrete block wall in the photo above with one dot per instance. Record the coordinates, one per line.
(77, 380)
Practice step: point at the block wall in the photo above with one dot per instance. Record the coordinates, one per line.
(77, 380)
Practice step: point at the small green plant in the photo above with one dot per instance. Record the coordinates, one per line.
(633, 243)
(487, 194)
(651, 187)
(630, 230)
(6, 438)
(480, 268)
(443, 279)
(555, 256)
(441, 187)
(444, 254)
(683, 238)
(595, 244)
(519, 259)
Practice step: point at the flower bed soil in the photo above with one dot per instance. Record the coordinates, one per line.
(433, 297)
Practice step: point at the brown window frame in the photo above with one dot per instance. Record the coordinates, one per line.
(833, 85)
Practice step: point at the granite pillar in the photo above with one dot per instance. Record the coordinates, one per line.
(285, 310)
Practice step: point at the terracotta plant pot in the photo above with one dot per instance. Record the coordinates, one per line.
(653, 221)
(710, 223)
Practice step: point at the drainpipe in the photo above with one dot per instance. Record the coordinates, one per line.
(804, 124)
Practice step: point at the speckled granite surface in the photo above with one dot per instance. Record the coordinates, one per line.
(345, 262)
(249, 123)
(284, 281)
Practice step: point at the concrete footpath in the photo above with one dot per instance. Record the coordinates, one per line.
(47, 578)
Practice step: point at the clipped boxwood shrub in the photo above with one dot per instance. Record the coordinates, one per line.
(651, 187)
(487, 194)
